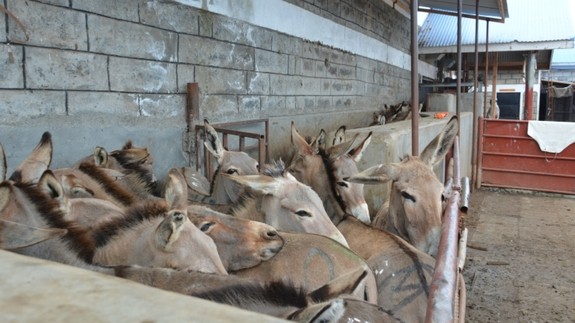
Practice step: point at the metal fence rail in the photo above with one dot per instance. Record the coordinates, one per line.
(446, 301)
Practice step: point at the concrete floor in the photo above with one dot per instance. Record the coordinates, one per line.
(34, 290)
(520, 257)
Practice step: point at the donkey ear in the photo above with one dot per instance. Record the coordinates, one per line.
(357, 152)
(169, 230)
(176, 193)
(36, 163)
(3, 165)
(345, 284)
(213, 142)
(319, 141)
(196, 181)
(100, 157)
(332, 311)
(16, 235)
(339, 136)
(439, 146)
(50, 185)
(259, 183)
(299, 142)
(376, 174)
(342, 148)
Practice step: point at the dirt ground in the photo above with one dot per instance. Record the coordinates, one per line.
(520, 263)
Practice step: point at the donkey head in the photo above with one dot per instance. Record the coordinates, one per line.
(417, 195)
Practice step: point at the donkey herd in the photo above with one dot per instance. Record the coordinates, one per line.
(295, 241)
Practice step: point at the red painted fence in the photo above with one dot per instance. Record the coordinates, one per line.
(509, 158)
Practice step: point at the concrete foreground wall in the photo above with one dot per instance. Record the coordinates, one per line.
(36, 290)
(101, 72)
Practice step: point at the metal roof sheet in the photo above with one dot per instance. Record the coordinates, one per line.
(492, 9)
(529, 21)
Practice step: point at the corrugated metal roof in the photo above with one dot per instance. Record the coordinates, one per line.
(563, 59)
(529, 21)
(492, 9)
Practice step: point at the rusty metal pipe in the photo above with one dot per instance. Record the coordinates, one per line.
(414, 81)
(475, 85)
(442, 294)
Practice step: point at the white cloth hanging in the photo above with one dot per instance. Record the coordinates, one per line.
(552, 136)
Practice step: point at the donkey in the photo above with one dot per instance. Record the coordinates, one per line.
(131, 166)
(403, 273)
(241, 243)
(278, 199)
(157, 233)
(286, 300)
(309, 167)
(222, 190)
(417, 196)
(257, 254)
(14, 235)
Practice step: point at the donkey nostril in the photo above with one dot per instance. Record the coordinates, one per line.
(272, 234)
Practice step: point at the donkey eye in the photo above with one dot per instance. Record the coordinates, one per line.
(303, 213)
(342, 184)
(232, 171)
(206, 226)
(258, 167)
(407, 196)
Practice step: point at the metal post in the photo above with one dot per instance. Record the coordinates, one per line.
(414, 81)
(529, 82)
(475, 85)
(459, 59)
(486, 68)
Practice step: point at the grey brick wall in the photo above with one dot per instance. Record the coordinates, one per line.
(126, 64)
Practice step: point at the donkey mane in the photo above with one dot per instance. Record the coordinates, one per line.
(117, 191)
(135, 215)
(77, 239)
(135, 167)
(275, 169)
(275, 293)
(330, 170)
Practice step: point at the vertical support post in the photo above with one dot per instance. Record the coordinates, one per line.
(529, 82)
(494, 84)
(459, 59)
(475, 85)
(486, 68)
(414, 81)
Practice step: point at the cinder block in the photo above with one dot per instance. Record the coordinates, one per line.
(163, 106)
(110, 104)
(275, 106)
(17, 105)
(272, 62)
(57, 69)
(128, 39)
(48, 25)
(133, 75)
(236, 31)
(258, 83)
(170, 16)
(185, 76)
(219, 108)
(286, 44)
(294, 85)
(249, 107)
(11, 67)
(214, 80)
(208, 52)
(125, 10)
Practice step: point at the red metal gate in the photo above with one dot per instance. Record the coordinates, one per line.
(509, 158)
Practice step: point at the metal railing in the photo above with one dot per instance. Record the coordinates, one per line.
(205, 161)
(447, 295)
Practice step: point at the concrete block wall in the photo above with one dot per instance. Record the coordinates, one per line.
(101, 72)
